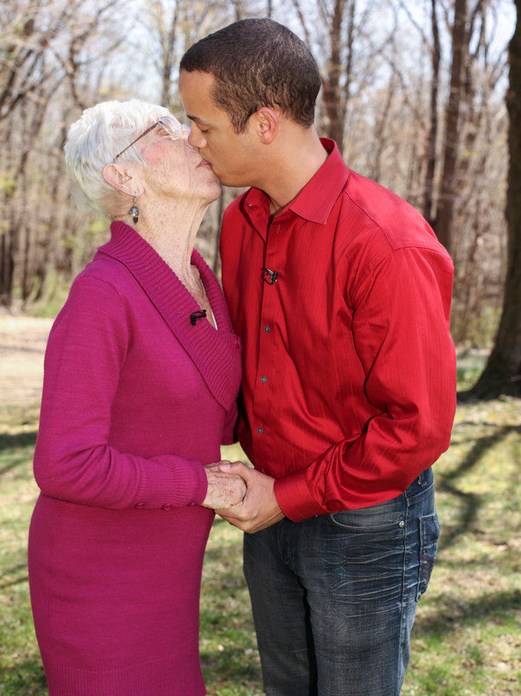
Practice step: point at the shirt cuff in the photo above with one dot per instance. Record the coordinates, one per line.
(294, 498)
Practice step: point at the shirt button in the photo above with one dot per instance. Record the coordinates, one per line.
(260, 430)
(267, 329)
(139, 505)
(264, 379)
(167, 506)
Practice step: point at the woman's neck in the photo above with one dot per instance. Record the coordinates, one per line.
(170, 229)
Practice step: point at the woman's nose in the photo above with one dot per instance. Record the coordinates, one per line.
(185, 135)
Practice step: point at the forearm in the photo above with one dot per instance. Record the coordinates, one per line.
(377, 466)
(101, 476)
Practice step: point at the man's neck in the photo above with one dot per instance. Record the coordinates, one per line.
(292, 166)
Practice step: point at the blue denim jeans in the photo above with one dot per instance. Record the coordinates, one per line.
(334, 597)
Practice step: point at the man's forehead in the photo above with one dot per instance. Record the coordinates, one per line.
(199, 106)
(203, 80)
(195, 89)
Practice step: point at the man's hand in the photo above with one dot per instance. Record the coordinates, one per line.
(259, 509)
(224, 490)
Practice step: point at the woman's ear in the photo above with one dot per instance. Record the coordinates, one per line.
(120, 178)
(267, 121)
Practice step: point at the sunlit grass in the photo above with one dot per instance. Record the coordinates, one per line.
(467, 637)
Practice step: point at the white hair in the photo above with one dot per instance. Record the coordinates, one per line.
(96, 138)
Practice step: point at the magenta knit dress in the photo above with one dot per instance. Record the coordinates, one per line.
(136, 400)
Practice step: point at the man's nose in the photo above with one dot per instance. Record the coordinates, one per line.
(196, 138)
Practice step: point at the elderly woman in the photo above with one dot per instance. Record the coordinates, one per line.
(142, 371)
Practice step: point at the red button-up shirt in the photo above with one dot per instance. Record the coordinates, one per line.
(349, 385)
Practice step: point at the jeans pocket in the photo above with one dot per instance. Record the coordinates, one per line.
(381, 517)
(429, 535)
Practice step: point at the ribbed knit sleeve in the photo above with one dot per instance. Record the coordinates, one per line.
(74, 461)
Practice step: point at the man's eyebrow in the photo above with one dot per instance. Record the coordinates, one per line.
(197, 120)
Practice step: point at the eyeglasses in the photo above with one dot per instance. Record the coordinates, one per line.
(169, 127)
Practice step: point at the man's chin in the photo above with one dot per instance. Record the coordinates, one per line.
(227, 181)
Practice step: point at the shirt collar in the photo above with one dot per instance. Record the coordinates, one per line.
(316, 199)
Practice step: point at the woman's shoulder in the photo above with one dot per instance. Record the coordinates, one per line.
(98, 291)
(97, 312)
(104, 268)
(105, 274)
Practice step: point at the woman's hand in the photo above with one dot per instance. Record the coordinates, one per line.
(224, 490)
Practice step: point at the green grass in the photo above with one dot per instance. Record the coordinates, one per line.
(20, 668)
(467, 637)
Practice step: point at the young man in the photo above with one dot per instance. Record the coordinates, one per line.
(341, 294)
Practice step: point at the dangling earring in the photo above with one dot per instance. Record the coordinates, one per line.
(134, 211)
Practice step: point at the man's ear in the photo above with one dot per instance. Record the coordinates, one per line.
(267, 122)
(121, 178)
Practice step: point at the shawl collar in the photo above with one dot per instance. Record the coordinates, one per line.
(215, 353)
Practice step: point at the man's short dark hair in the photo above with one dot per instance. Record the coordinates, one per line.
(256, 63)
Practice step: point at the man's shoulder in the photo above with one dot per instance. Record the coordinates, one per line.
(381, 213)
(376, 201)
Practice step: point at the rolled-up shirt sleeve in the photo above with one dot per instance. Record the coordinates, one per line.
(402, 338)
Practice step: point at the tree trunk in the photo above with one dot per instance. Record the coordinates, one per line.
(333, 101)
(7, 192)
(6, 268)
(168, 45)
(428, 199)
(502, 374)
(445, 212)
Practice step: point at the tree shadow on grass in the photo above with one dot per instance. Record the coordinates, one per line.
(454, 614)
(16, 575)
(469, 502)
(14, 442)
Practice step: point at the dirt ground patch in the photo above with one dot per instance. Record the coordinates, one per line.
(22, 348)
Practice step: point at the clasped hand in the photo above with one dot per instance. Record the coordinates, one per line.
(242, 496)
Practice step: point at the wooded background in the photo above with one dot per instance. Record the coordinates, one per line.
(421, 95)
